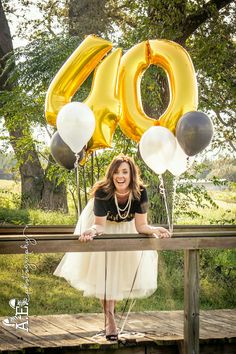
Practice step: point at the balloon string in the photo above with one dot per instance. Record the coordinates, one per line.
(175, 182)
(129, 296)
(163, 192)
(76, 164)
(188, 163)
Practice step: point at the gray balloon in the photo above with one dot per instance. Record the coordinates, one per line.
(62, 153)
(194, 132)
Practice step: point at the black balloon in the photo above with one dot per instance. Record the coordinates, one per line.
(194, 132)
(62, 153)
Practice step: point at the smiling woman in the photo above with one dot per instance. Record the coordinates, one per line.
(121, 179)
(118, 206)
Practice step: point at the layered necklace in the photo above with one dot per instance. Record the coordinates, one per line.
(127, 206)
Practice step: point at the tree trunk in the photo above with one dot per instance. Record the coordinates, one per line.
(87, 17)
(36, 189)
(54, 194)
(54, 197)
(30, 168)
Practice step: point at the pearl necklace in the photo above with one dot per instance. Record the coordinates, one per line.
(128, 205)
(122, 193)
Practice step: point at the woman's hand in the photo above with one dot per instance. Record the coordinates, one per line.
(88, 235)
(143, 228)
(161, 232)
(96, 229)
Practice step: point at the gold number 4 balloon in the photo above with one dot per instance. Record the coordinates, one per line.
(115, 94)
(103, 98)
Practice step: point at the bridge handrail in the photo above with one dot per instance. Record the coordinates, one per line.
(51, 239)
(69, 229)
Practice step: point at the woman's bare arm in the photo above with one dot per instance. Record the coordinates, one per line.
(142, 227)
(97, 228)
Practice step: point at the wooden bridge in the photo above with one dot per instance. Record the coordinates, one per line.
(149, 332)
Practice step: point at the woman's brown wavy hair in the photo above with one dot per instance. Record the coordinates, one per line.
(107, 185)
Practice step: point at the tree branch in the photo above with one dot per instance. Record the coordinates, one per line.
(121, 18)
(229, 141)
(195, 20)
(226, 124)
(220, 118)
(232, 145)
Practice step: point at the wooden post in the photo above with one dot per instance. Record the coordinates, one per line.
(191, 302)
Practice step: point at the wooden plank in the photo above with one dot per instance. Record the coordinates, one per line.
(181, 228)
(153, 327)
(173, 320)
(75, 333)
(85, 326)
(99, 244)
(69, 229)
(36, 229)
(18, 338)
(5, 343)
(71, 236)
(226, 315)
(42, 334)
(56, 335)
(191, 302)
(215, 323)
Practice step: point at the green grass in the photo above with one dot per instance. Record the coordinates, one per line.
(223, 213)
(35, 217)
(228, 197)
(220, 215)
(10, 212)
(51, 295)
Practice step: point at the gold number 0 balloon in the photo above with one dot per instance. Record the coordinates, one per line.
(103, 99)
(182, 85)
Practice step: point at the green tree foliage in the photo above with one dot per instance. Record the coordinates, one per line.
(222, 168)
(205, 28)
(36, 188)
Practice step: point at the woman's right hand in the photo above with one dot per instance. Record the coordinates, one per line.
(88, 235)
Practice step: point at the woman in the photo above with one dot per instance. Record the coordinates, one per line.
(119, 206)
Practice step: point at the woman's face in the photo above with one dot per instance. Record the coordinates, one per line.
(121, 178)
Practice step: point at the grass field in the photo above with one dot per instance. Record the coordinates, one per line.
(10, 212)
(224, 213)
(51, 295)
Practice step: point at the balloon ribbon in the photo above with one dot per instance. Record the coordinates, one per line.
(163, 192)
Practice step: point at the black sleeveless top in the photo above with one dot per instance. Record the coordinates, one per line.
(108, 207)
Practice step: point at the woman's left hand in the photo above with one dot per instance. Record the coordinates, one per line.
(87, 235)
(161, 232)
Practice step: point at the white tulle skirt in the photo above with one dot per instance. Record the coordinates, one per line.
(111, 275)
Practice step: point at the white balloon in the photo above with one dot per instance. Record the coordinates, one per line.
(180, 161)
(76, 124)
(157, 146)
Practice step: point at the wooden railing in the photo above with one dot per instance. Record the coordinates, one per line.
(52, 239)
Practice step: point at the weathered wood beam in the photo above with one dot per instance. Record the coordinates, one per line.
(191, 302)
(11, 244)
(69, 229)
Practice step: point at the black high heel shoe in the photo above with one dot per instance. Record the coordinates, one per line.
(112, 337)
(110, 327)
